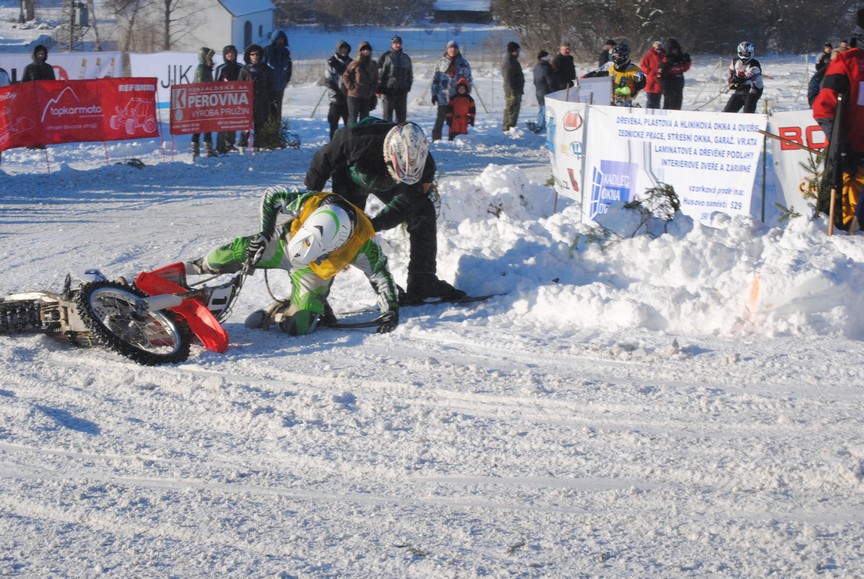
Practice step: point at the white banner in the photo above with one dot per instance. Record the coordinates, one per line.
(171, 68)
(612, 154)
(792, 165)
(67, 65)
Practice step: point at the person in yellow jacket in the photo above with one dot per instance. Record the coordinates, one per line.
(323, 235)
(627, 78)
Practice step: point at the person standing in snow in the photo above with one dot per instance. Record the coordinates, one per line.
(204, 73)
(844, 76)
(228, 71)
(745, 80)
(461, 111)
(395, 77)
(262, 83)
(544, 83)
(336, 66)
(393, 163)
(672, 68)
(361, 81)
(448, 70)
(606, 54)
(278, 58)
(39, 69)
(514, 86)
(323, 235)
(650, 67)
(563, 67)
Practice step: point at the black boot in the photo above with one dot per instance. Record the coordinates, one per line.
(427, 286)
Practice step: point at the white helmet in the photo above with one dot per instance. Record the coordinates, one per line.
(324, 231)
(405, 152)
(746, 50)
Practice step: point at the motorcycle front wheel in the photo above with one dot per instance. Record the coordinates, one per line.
(109, 310)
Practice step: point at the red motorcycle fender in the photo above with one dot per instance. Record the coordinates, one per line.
(167, 280)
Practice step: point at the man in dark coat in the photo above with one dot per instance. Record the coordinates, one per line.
(39, 69)
(278, 58)
(228, 71)
(336, 66)
(395, 77)
(564, 67)
(544, 83)
(355, 162)
(514, 86)
(262, 87)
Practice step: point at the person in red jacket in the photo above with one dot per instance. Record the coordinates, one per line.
(650, 66)
(460, 110)
(844, 76)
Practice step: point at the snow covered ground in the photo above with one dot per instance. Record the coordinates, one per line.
(647, 408)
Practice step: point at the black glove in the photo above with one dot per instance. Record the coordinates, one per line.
(256, 247)
(388, 322)
(434, 100)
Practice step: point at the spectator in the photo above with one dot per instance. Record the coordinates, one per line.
(650, 67)
(39, 69)
(844, 76)
(393, 163)
(395, 77)
(278, 58)
(460, 111)
(824, 58)
(361, 80)
(448, 70)
(336, 66)
(745, 79)
(672, 68)
(544, 83)
(204, 73)
(255, 70)
(4, 77)
(627, 78)
(606, 53)
(563, 67)
(228, 71)
(514, 86)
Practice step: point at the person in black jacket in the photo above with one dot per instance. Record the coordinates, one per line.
(514, 86)
(355, 162)
(228, 71)
(278, 58)
(672, 68)
(262, 83)
(336, 65)
(544, 83)
(564, 67)
(39, 69)
(395, 77)
(606, 54)
(204, 73)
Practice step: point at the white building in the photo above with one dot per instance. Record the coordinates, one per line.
(222, 22)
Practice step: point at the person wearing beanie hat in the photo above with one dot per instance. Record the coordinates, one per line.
(204, 73)
(361, 81)
(448, 70)
(395, 77)
(650, 66)
(336, 65)
(544, 83)
(564, 67)
(228, 71)
(514, 86)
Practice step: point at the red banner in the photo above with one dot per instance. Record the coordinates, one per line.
(207, 107)
(55, 111)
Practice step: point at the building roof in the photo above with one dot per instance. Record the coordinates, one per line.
(463, 5)
(241, 7)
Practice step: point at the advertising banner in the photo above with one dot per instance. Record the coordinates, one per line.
(565, 138)
(67, 65)
(710, 159)
(211, 107)
(795, 168)
(53, 111)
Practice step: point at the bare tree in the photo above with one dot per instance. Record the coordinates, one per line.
(28, 11)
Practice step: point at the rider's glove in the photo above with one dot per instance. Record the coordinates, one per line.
(388, 321)
(256, 247)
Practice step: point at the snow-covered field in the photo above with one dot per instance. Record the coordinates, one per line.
(647, 408)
